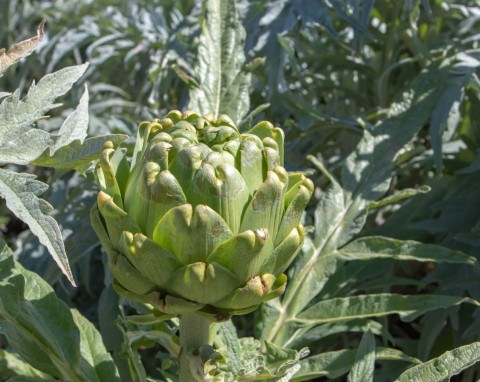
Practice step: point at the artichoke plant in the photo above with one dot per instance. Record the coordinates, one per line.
(203, 219)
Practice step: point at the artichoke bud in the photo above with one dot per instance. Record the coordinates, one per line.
(187, 161)
(272, 154)
(178, 144)
(148, 257)
(200, 124)
(219, 157)
(210, 117)
(158, 153)
(161, 136)
(189, 115)
(204, 227)
(232, 147)
(219, 134)
(142, 141)
(116, 219)
(184, 129)
(162, 192)
(199, 282)
(108, 207)
(251, 162)
(174, 115)
(266, 130)
(205, 218)
(226, 119)
(285, 252)
(222, 188)
(267, 205)
(129, 276)
(166, 123)
(296, 199)
(244, 253)
(105, 176)
(257, 290)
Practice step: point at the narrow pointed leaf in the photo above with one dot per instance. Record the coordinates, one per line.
(371, 247)
(376, 305)
(75, 125)
(21, 192)
(77, 155)
(334, 364)
(398, 196)
(364, 366)
(444, 367)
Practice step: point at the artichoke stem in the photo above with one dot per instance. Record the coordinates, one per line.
(194, 333)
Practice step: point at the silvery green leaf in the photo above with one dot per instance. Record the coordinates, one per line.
(334, 364)
(77, 155)
(75, 125)
(20, 142)
(442, 368)
(45, 332)
(408, 307)
(223, 82)
(21, 192)
(372, 247)
(364, 366)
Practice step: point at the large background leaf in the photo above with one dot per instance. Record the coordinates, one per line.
(222, 83)
(45, 332)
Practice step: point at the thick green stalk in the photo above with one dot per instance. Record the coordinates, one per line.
(194, 333)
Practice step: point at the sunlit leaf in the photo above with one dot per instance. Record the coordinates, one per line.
(223, 82)
(442, 368)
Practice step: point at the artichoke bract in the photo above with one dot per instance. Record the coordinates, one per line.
(203, 219)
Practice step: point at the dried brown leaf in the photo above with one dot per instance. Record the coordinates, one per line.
(20, 49)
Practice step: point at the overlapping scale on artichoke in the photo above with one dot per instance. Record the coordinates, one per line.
(203, 218)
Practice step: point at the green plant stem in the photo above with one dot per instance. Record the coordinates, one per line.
(194, 333)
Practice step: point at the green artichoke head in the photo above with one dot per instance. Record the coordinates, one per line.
(202, 218)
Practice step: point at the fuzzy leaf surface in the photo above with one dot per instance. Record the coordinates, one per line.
(443, 367)
(20, 142)
(364, 366)
(366, 248)
(334, 364)
(21, 193)
(408, 307)
(44, 331)
(223, 83)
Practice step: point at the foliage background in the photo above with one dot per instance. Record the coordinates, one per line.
(326, 72)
